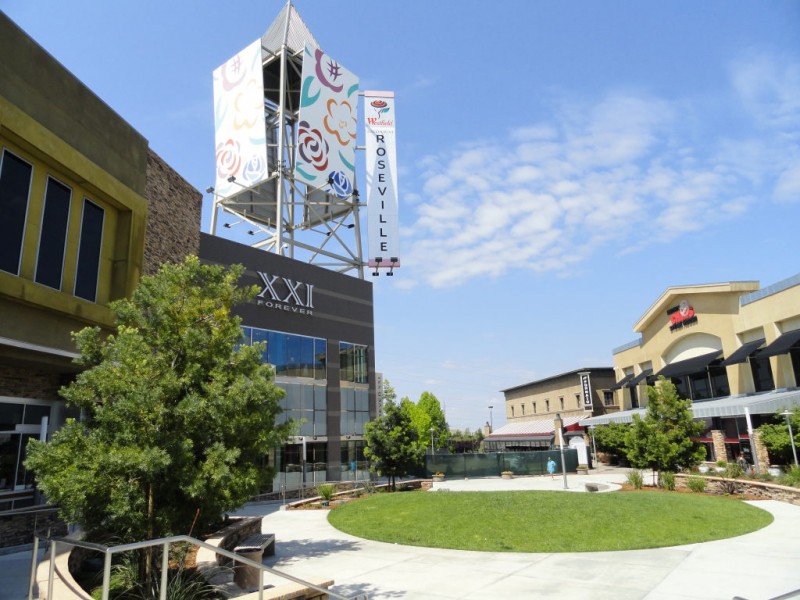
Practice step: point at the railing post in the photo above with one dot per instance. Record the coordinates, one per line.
(106, 575)
(164, 571)
(33, 566)
(52, 570)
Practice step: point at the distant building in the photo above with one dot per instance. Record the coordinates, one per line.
(531, 409)
(87, 209)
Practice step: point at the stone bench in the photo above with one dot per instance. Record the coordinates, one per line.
(252, 547)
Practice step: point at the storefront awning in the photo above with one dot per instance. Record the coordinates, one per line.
(742, 353)
(767, 403)
(622, 382)
(531, 429)
(691, 365)
(782, 344)
(643, 375)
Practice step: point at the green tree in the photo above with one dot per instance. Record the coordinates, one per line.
(775, 437)
(177, 419)
(392, 443)
(611, 438)
(662, 441)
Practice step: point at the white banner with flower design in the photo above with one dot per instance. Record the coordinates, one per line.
(379, 120)
(326, 137)
(239, 124)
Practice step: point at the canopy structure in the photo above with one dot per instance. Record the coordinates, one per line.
(690, 365)
(733, 406)
(744, 352)
(782, 344)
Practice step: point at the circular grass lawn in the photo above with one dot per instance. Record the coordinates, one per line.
(546, 521)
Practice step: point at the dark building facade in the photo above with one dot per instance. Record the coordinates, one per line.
(319, 334)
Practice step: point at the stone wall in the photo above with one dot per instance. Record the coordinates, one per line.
(22, 382)
(760, 490)
(18, 527)
(173, 216)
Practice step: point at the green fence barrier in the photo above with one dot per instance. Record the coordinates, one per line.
(494, 463)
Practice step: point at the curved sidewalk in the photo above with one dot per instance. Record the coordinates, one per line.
(756, 566)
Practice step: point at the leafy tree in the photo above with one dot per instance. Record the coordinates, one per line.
(388, 394)
(611, 438)
(662, 441)
(392, 443)
(775, 437)
(177, 418)
(465, 441)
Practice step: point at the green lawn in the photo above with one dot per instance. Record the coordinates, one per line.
(546, 521)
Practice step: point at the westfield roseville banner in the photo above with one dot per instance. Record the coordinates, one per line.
(379, 119)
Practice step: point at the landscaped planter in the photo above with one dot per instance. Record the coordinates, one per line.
(507, 475)
(438, 478)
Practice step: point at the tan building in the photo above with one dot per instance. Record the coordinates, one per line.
(732, 348)
(87, 209)
(531, 408)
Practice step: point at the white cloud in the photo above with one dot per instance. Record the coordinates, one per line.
(617, 175)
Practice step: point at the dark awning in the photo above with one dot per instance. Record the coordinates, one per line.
(690, 365)
(782, 344)
(639, 377)
(622, 382)
(742, 353)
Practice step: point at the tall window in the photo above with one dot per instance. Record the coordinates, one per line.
(578, 400)
(561, 402)
(608, 398)
(291, 355)
(53, 236)
(762, 374)
(15, 183)
(353, 363)
(89, 251)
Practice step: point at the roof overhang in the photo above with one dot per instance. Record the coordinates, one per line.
(673, 295)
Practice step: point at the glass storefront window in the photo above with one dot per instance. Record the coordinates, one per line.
(291, 355)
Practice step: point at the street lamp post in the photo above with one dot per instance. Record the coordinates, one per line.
(433, 449)
(559, 425)
(787, 414)
(491, 423)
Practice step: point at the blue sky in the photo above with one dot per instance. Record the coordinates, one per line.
(561, 163)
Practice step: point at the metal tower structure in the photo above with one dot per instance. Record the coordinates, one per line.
(282, 214)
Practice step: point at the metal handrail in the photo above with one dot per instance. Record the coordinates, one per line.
(109, 551)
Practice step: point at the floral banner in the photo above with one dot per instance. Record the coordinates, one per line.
(326, 137)
(240, 127)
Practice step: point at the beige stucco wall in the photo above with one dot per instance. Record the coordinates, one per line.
(722, 323)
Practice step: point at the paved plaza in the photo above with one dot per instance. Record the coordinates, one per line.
(757, 566)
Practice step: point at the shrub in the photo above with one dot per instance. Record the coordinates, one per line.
(666, 480)
(636, 479)
(696, 484)
(326, 490)
(791, 477)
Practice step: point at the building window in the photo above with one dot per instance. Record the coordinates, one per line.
(547, 406)
(512, 411)
(291, 355)
(561, 402)
(762, 374)
(354, 410)
(534, 407)
(53, 235)
(353, 363)
(15, 184)
(523, 408)
(578, 400)
(608, 398)
(89, 251)
(18, 424)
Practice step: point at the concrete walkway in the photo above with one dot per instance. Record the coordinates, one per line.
(757, 566)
